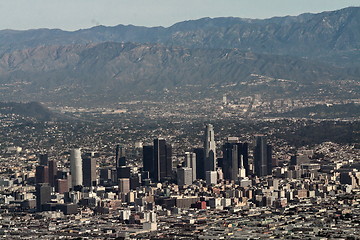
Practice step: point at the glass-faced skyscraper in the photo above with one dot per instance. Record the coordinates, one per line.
(148, 158)
(120, 158)
(231, 161)
(262, 157)
(210, 149)
(89, 172)
(162, 161)
(200, 157)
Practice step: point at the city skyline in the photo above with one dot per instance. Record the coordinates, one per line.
(212, 129)
(291, 191)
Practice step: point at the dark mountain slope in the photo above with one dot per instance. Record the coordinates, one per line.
(32, 110)
(332, 37)
(117, 68)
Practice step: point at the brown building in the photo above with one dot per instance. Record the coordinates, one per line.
(42, 174)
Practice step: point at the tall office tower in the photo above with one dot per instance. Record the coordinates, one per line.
(121, 163)
(231, 161)
(184, 176)
(43, 195)
(76, 167)
(89, 172)
(245, 158)
(148, 158)
(169, 163)
(162, 160)
(120, 156)
(200, 165)
(190, 160)
(124, 185)
(210, 149)
(52, 164)
(262, 157)
(42, 174)
(269, 159)
(43, 159)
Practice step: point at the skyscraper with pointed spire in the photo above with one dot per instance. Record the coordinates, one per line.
(210, 149)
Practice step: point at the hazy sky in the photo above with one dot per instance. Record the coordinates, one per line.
(76, 14)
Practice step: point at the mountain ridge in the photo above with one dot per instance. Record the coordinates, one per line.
(118, 68)
(307, 35)
(305, 55)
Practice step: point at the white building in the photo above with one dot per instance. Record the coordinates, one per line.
(76, 167)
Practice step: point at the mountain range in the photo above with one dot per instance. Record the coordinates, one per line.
(307, 50)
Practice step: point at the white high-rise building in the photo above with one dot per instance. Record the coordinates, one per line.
(76, 167)
(210, 149)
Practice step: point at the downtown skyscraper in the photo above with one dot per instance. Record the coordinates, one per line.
(235, 159)
(210, 149)
(157, 160)
(89, 171)
(262, 157)
(190, 162)
(76, 167)
(162, 160)
(230, 161)
(120, 159)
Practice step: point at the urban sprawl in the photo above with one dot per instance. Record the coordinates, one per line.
(221, 190)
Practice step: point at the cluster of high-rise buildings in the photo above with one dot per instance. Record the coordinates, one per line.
(202, 163)
(158, 166)
(204, 189)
